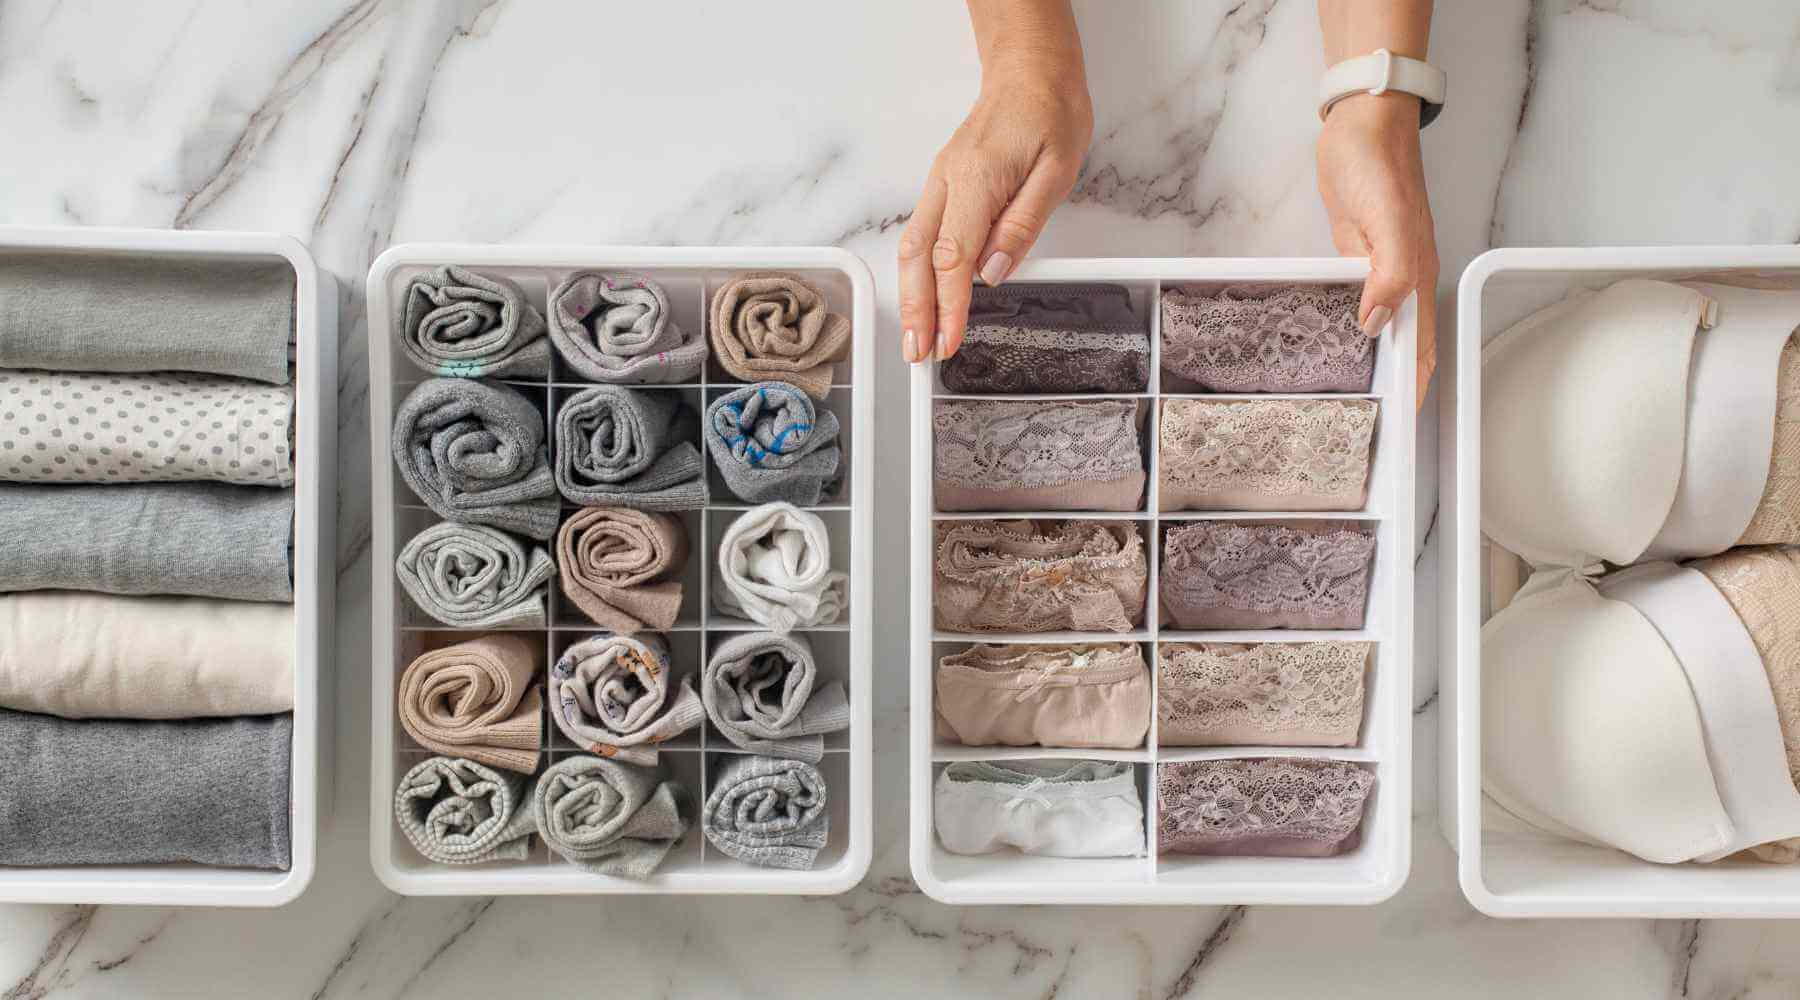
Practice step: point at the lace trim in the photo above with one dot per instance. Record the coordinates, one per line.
(1301, 338)
(1777, 518)
(998, 445)
(1031, 668)
(1039, 339)
(1304, 690)
(1218, 801)
(1029, 576)
(1279, 448)
(1268, 567)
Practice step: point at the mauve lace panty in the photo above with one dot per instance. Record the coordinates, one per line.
(1255, 574)
(1053, 455)
(1050, 338)
(1266, 338)
(1279, 807)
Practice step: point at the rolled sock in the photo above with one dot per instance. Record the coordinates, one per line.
(620, 566)
(771, 442)
(477, 699)
(474, 451)
(197, 539)
(763, 692)
(775, 570)
(610, 818)
(778, 327)
(473, 576)
(617, 328)
(615, 695)
(459, 812)
(769, 812)
(629, 448)
(128, 792)
(465, 324)
(129, 312)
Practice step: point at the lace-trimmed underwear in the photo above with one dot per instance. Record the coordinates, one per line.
(1025, 338)
(1056, 696)
(1053, 808)
(1250, 574)
(1039, 576)
(1259, 338)
(993, 455)
(1285, 807)
(1777, 517)
(1307, 694)
(1265, 454)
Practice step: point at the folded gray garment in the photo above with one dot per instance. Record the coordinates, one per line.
(770, 812)
(126, 792)
(474, 576)
(197, 539)
(458, 812)
(127, 312)
(771, 442)
(618, 447)
(610, 818)
(465, 324)
(762, 690)
(617, 328)
(474, 451)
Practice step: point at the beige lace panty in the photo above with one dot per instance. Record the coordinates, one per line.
(1265, 454)
(1039, 576)
(1294, 694)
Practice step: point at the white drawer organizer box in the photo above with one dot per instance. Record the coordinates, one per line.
(315, 580)
(1512, 874)
(401, 632)
(1369, 873)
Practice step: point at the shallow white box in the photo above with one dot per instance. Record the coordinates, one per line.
(1513, 875)
(315, 582)
(1368, 874)
(400, 632)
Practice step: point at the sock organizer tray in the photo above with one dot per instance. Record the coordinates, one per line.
(693, 759)
(314, 455)
(1377, 866)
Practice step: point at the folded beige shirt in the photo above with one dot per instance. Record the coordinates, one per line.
(103, 656)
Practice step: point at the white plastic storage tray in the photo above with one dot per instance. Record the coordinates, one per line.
(400, 631)
(1523, 875)
(315, 581)
(1369, 873)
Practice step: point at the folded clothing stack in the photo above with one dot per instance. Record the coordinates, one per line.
(147, 633)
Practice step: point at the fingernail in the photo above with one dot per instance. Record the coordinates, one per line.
(996, 268)
(909, 346)
(1377, 321)
(943, 348)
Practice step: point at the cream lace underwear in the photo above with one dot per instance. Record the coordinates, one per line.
(1261, 694)
(1039, 576)
(1263, 338)
(991, 455)
(1271, 807)
(1248, 574)
(1266, 454)
(1094, 695)
(1777, 517)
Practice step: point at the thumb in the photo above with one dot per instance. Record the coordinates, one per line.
(1393, 275)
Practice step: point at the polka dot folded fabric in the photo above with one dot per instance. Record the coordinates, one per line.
(58, 427)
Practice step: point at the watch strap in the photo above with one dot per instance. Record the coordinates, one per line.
(1380, 72)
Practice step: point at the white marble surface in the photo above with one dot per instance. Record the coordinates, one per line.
(1571, 122)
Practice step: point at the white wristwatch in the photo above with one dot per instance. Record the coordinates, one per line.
(1379, 72)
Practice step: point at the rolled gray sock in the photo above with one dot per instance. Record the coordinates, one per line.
(617, 328)
(197, 539)
(474, 451)
(123, 792)
(474, 576)
(458, 812)
(619, 447)
(610, 818)
(465, 324)
(769, 812)
(126, 312)
(762, 691)
(772, 442)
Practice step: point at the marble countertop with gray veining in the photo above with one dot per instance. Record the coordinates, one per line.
(355, 126)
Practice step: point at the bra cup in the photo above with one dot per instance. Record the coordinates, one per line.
(1583, 408)
(1589, 723)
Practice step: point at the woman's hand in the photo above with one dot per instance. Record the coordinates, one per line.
(1373, 184)
(993, 186)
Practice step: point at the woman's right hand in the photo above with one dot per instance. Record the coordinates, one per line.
(993, 186)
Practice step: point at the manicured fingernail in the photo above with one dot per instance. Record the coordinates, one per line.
(996, 268)
(943, 348)
(1377, 321)
(909, 346)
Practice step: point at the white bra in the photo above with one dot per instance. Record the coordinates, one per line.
(1636, 713)
(1632, 423)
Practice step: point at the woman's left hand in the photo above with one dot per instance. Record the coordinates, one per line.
(1372, 180)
